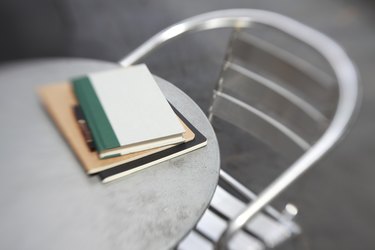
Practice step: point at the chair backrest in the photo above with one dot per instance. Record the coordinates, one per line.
(310, 109)
(276, 96)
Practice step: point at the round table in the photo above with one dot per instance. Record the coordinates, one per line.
(48, 202)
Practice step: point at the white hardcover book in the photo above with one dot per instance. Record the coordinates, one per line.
(126, 111)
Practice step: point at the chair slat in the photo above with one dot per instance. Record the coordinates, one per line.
(259, 124)
(243, 241)
(272, 232)
(194, 241)
(280, 103)
(226, 203)
(301, 77)
(250, 196)
(213, 226)
(269, 230)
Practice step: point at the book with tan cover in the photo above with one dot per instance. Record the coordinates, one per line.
(59, 101)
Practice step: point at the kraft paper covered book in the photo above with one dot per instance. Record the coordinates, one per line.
(126, 111)
(59, 101)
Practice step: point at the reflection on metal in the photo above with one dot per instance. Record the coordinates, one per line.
(290, 211)
(274, 124)
(294, 228)
(342, 66)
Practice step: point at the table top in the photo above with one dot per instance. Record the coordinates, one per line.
(48, 202)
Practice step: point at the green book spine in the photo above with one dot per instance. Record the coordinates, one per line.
(102, 131)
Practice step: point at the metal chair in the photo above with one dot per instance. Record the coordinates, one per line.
(298, 108)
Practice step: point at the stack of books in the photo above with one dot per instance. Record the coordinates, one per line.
(118, 122)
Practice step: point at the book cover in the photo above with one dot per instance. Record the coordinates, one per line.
(126, 111)
(153, 159)
(59, 101)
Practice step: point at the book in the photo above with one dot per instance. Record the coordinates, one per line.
(134, 166)
(59, 101)
(126, 111)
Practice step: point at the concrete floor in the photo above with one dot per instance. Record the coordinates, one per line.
(336, 199)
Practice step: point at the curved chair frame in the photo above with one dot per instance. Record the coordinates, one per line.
(342, 66)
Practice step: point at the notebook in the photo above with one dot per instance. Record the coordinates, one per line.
(59, 101)
(134, 166)
(126, 111)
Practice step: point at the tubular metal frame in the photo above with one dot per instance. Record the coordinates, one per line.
(342, 66)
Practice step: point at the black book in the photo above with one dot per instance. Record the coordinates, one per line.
(150, 160)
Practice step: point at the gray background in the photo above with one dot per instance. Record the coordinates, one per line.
(336, 199)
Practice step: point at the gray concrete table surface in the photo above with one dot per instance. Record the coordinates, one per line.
(48, 202)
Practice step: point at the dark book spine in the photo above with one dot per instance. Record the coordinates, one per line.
(80, 118)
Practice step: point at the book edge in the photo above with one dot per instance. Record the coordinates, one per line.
(142, 146)
(119, 175)
(199, 139)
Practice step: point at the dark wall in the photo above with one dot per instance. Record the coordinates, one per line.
(85, 28)
(109, 29)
